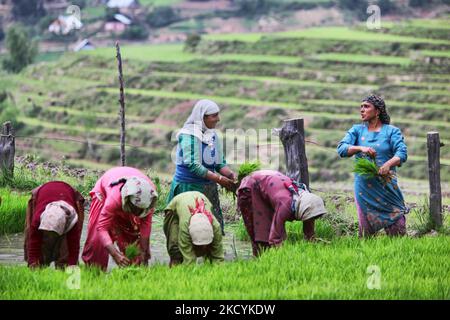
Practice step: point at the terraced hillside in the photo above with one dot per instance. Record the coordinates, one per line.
(319, 74)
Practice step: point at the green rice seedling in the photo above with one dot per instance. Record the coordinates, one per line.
(411, 268)
(13, 208)
(365, 167)
(132, 251)
(247, 168)
(368, 169)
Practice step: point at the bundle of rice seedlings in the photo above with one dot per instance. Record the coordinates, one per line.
(132, 251)
(365, 167)
(247, 168)
(368, 169)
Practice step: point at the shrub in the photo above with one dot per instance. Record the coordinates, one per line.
(162, 16)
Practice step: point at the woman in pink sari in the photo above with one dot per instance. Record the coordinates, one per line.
(121, 211)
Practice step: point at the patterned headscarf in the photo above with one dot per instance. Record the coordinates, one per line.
(308, 205)
(59, 217)
(195, 125)
(379, 104)
(140, 193)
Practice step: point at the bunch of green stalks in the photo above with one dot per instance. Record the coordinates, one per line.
(247, 168)
(132, 251)
(13, 207)
(368, 169)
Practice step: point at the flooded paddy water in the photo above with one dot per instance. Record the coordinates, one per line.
(11, 246)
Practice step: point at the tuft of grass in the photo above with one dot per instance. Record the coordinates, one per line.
(366, 168)
(247, 168)
(132, 251)
(13, 206)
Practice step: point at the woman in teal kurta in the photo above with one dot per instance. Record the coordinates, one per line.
(379, 204)
(200, 162)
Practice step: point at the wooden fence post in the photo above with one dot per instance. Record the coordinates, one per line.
(7, 150)
(292, 136)
(434, 177)
(122, 107)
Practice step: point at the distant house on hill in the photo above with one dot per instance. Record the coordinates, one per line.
(117, 24)
(65, 24)
(122, 4)
(128, 7)
(83, 45)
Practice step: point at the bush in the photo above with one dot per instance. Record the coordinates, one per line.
(192, 42)
(162, 16)
(21, 51)
(135, 32)
(28, 11)
(359, 7)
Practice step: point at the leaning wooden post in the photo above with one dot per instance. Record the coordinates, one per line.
(292, 136)
(122, 106)
(7, 150)
(434, 176)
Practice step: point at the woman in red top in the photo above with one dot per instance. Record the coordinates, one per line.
(53, 225)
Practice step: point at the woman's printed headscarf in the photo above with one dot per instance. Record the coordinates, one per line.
(379, 104)
(140, 193)
(195, 125)
(308, 205)
(59, 217)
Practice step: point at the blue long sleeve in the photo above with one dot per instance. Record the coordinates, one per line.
(398, 145)
(348, 141)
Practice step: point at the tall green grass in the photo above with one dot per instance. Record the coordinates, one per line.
(409, 269)
(13, 206)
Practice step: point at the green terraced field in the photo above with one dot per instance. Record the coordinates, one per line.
(255, 90)
(330, 33)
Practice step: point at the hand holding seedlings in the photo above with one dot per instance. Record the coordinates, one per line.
(370, 151)
(120, 259)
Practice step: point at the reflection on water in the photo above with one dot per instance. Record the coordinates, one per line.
(11, 246)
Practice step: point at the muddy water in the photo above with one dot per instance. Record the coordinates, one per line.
(11, 246)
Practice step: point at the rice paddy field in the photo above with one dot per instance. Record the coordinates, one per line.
(67, 111)
(408, 269)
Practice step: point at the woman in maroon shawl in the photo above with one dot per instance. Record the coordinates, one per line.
(53, 225)
(267, 199)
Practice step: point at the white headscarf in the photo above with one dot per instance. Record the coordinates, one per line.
(195, 125)
(55, 218)
(201, 230)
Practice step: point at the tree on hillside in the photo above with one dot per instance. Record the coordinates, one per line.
(7, 110)
(359, 7)
(21, 51)
(253, 7)
(28, 10)
(386, 6)
(162, 16)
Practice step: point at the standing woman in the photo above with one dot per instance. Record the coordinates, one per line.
(121, 211)
(379, 205)
(200, 160)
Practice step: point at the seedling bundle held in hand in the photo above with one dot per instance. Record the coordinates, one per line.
(368, 169)
(132, 251)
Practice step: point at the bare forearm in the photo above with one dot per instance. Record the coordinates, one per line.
(393, 162)
(353, 150)
(213, 176)
(227, 172)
